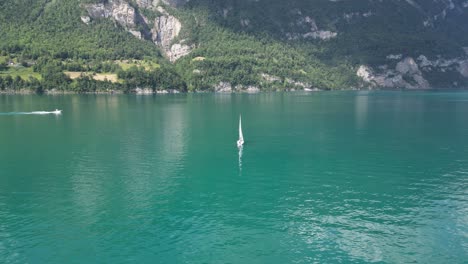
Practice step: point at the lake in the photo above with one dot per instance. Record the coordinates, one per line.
(328, 177)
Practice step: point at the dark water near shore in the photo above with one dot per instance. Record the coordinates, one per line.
(347, 177)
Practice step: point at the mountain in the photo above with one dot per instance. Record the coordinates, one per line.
(233, 44)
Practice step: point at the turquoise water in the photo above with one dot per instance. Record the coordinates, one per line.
(346, 177)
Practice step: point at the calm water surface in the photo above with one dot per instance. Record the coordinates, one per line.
(350, 177)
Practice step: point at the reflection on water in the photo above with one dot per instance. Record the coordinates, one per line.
(361, 108)
(241, 149)
(153, 156)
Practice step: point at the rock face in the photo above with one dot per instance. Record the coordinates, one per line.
(356, 15)
(86, 19)
(405, 75)
(312, 31)
(148, 91)
(250, 89)
(178, 51)
(409, 73)
(299, 84)
(166, 28)
(120, 11)
(143, 91)
(463, 68)
(223, 87)
(408, 66)
(154, 3)
(226, 87)
(458, 64)
(162, 31)
(365, 73)
(446, 9)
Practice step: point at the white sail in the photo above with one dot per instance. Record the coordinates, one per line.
(240, 142)
(241, 136)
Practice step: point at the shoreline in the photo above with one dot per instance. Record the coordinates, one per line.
(156, 92)
(173, 91)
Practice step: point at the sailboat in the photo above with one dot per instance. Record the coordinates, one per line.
(240, 142)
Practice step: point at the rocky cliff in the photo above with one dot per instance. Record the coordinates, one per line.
(122, 12)
(154, 3)
(409, 73)
(163, 30)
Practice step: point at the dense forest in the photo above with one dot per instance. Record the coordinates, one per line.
(46, 46)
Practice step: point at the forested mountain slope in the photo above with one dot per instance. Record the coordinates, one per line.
(229, 45)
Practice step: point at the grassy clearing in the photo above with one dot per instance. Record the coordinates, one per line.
(199, 59)
(127, 64)
(75, 75)
(23, 72)
(112, 77)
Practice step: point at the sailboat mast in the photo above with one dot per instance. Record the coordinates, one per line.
(241, 136)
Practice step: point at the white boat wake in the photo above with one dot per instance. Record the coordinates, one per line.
(56, 112)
